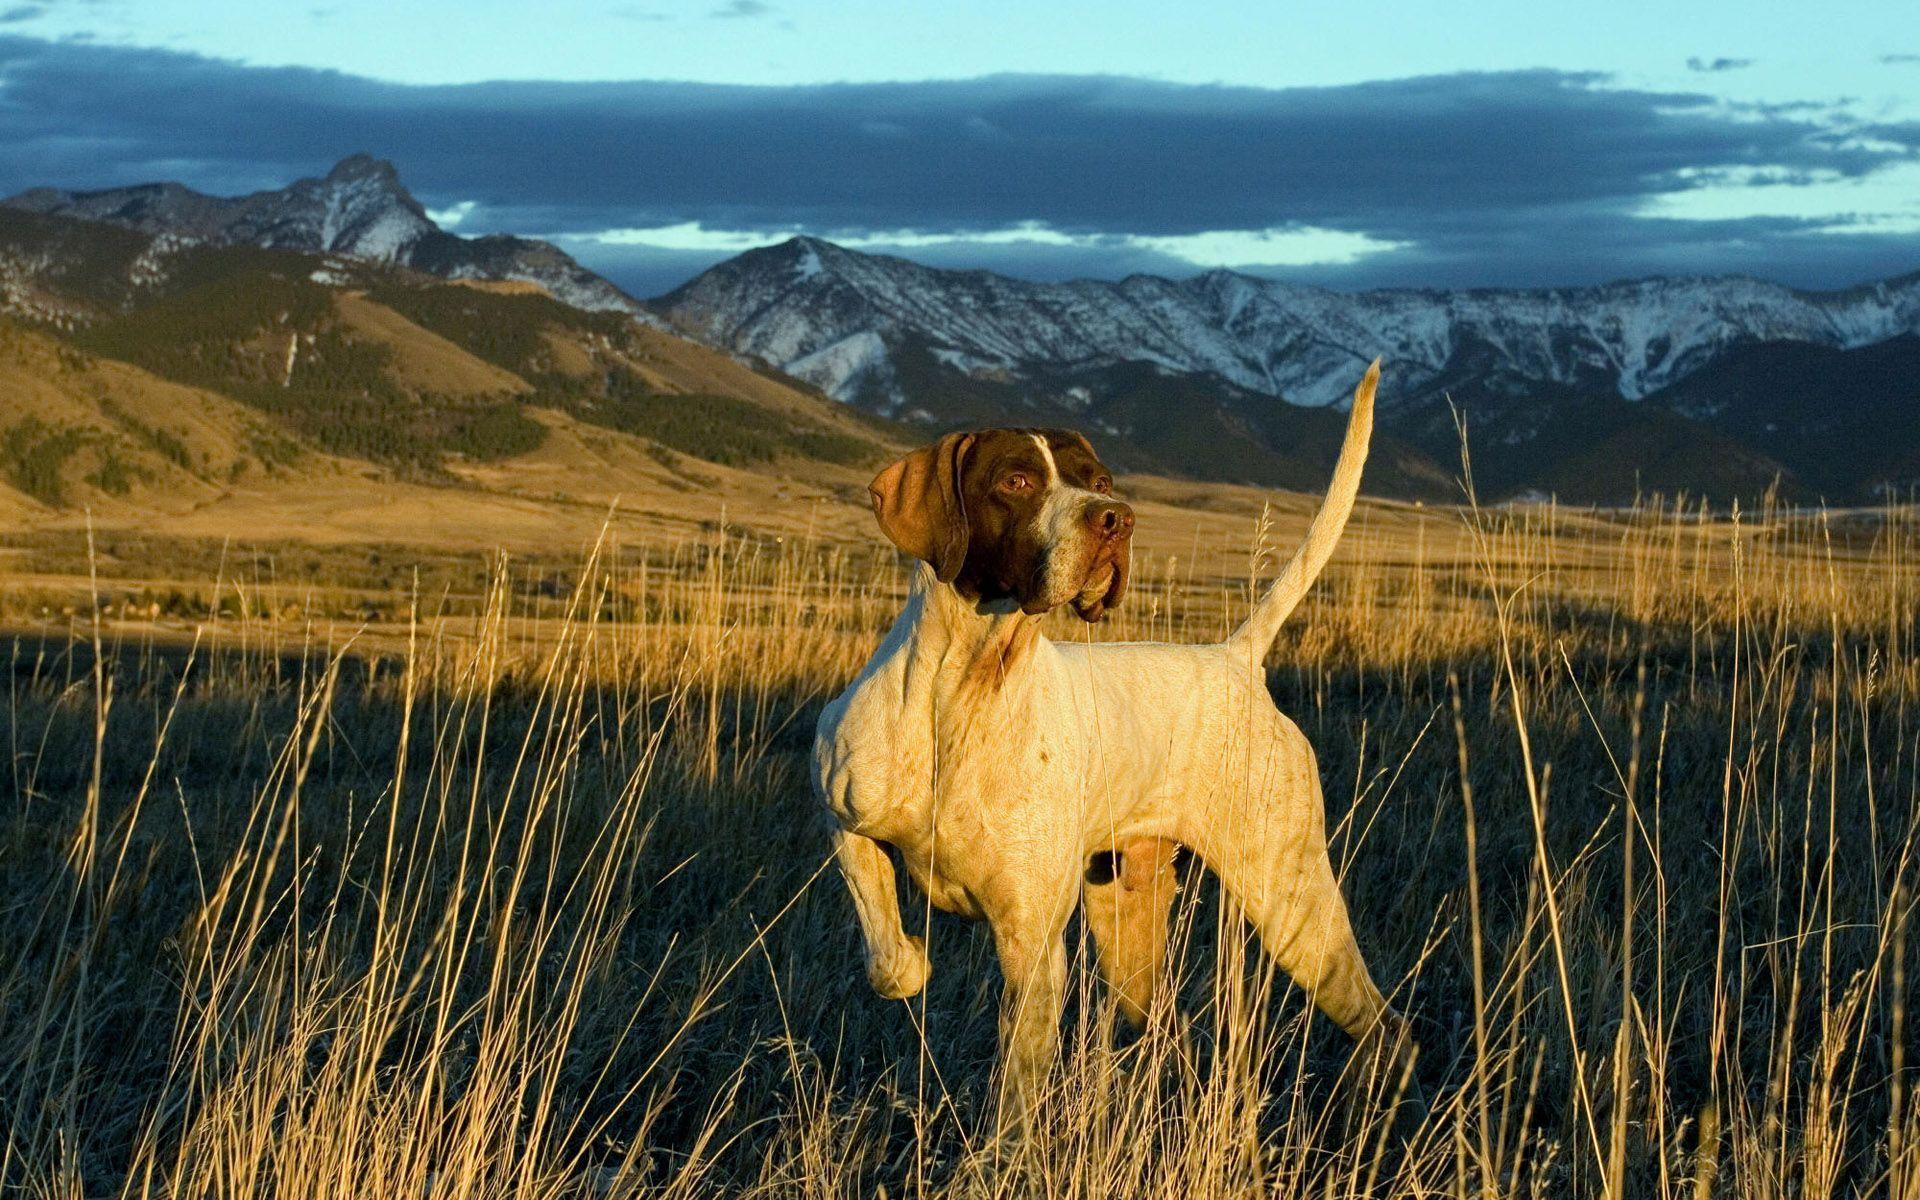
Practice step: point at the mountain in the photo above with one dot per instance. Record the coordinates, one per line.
(1843, 414)
(359, 210)
(946, 346)
(159, 371)
(285, 301)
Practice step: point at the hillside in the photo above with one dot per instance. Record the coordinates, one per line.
(212, 387)
(1841, 415)
(76, 429)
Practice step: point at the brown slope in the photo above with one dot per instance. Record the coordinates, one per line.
(83, 437)
(422, 361)
(405, 370)
(607, 370)
(77, 430)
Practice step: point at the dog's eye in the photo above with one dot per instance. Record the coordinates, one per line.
(1016, 483)
(1103, 485)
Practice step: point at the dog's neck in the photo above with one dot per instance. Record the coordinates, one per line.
(966, 648)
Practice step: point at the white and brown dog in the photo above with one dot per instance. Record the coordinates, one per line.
(1003, 766)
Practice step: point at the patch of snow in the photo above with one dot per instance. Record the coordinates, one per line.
(841, 368)
(966, 364)
(386, 239)
(453, 214)
(149, 269)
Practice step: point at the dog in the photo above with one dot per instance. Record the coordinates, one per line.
(1019, 778)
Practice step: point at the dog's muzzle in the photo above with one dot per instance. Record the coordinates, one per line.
(1111, 524)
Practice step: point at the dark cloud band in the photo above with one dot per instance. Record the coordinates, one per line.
(1718, 64)
(1532, 176)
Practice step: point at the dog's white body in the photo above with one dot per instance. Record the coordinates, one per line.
(1000, 764)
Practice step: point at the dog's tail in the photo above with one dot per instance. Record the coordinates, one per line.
(1263, 625)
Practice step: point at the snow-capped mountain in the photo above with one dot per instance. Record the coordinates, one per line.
(359, 209)
(1590, 393)
(836, 317)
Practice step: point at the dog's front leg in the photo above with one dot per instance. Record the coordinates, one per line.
(1033, 967)
(897, 963)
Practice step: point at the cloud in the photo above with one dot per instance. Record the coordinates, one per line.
(736, 9)
(1891, 59)
(1511, 178)
(21, 12)
(1714, 65)
(452, 215)
(1298, 246)
(647, 270)
(650, 261)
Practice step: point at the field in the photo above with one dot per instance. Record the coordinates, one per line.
(337, 870)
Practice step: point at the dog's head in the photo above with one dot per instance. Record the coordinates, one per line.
(1012, 514)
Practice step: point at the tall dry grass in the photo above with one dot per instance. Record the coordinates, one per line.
(527, 898)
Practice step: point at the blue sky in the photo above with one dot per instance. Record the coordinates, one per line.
(1353, 145)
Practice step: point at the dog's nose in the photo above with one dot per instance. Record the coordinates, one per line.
(1111, 520)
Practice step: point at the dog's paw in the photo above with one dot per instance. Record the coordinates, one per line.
(902, 974)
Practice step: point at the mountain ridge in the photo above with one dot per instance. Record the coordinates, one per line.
(850, 323)
(1240, 325)
(358, 209)
(1221, 375)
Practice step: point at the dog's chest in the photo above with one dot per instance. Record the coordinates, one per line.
(957, 768)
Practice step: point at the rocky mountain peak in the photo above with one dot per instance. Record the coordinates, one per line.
(357, 167)
(358, 209)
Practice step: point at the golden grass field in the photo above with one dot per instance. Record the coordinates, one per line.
(393, 868)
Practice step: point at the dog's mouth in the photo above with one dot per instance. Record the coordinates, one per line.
(1091, 599)
(1102, 574)
(1098, 593)
(1106, 580)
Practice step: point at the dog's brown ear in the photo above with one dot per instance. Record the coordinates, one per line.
(918, 503)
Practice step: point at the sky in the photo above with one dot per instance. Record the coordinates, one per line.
(1353, 145)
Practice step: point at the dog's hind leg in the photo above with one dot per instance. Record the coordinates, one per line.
(1270, 851)
(1125, 905)
(1303, 923)
(896, 960)
(1268, 845)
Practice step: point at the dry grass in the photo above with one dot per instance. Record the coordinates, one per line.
(516, 891)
